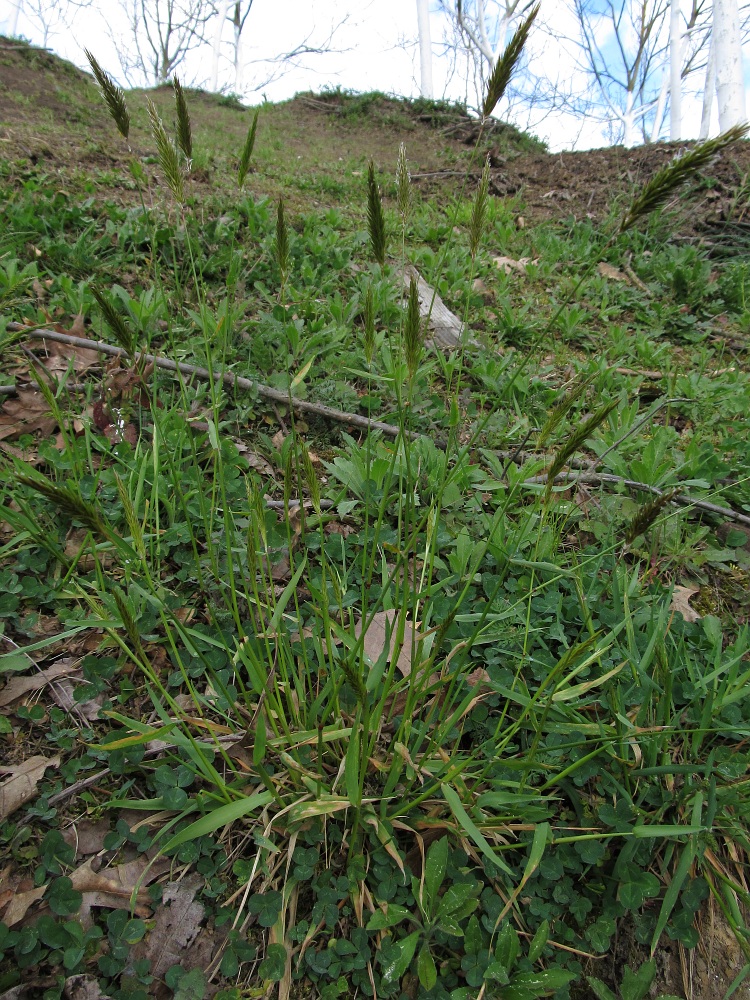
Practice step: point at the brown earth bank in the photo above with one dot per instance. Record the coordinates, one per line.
(52, 118)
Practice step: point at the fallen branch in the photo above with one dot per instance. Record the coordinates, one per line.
(227, 378)
(597, 478)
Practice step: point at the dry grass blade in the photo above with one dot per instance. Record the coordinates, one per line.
(113, 96)
(505, 65)
(184, 131)
(575, 440)
(169, 161)
(247, 151)
(479, 209)
(375, 217)
(403, 182)
(670, 178)
(116, 323)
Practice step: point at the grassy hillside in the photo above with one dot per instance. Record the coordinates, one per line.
(344, 654)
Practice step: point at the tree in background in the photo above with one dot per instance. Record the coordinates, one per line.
(48, 17)
(728, 74)
(425, 48)
(162, 33)
(236, 12)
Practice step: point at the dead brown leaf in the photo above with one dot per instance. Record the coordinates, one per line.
(376, 637)
(20, 787)
(17, 687)
(83, 988)
(508, 264)
(681, 602)
(607, 271)
(63, 694)
(20, 904)
(255, 461)
(112, 888)
(26, 413)
(176, 926)
(86, 836)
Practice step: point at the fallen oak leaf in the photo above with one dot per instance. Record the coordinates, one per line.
(26, 413)
(21, 786)
(20, 905)
(17, 687)
(681, 602)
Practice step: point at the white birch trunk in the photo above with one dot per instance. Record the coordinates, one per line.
(628, 120)
(13, 23)
(425, 48)
(727, 45)
(675, 72)
(663, 91)
(238, 80)
(216, 47)
(709, 92)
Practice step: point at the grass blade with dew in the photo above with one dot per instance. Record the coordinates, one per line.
(122, 334)
(403, 183)
(184, 130)
(479, 210)
(505, 65)
(113, 96)
(247, 150)
(375, 217)
(575, 440)
(169, 160)
(682, 169)
(561, 408)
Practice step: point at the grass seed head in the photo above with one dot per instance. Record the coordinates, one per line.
(122, 334)
(479, 210)
(574, 441)
(646, 515)
(562, 407)
(166, 151)
(184, 131)
(683, 168)
(113, 96)
(505, 65)
(282, 241)
(375, 217)
(247, 150)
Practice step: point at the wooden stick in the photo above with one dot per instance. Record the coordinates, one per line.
(597, 478)
(228, 378)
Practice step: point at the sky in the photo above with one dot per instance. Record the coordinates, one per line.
(376, 43)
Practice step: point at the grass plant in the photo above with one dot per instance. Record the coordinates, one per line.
(416, 720)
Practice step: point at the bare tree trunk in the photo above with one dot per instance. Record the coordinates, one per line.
(425, 48)
(730, 85)
(709, 90)
(13, 25)
(238, 25)
(675, 72)
(216, 48)
(661, 102)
